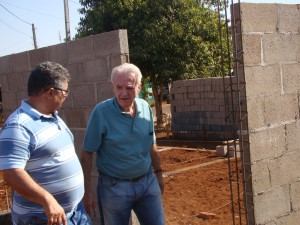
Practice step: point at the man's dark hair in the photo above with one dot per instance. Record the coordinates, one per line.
(46, 75)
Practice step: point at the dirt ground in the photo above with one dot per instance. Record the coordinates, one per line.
(197, 187)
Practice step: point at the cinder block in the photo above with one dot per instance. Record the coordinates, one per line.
(257, 77)
(258, 17)
(271, 204)
(20, 62)
(6, 64)
(78, 139)
(295, 195)
(14, 86)
(9, 100)
(256, 120)
(267, 143)
(104, 91)
(75, 70)
(252, 49)
(285, 109)
(95, 70)
(58, 53)
(291, 218)
(290, 78)
(289, 18)
(37, 56)
(110, 43)
(280, 48)
(292, 137)
(80, 50)
(223, 149)
(284, 169)
(86, 99)
(118, 60)
(260, 177)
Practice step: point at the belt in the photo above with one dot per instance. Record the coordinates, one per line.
(135, 179)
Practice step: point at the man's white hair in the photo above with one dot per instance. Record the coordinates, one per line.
(127, 68)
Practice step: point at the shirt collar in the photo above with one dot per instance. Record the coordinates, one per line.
(121, 110)
(33, 112)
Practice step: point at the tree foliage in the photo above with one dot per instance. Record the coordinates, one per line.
(168, 39)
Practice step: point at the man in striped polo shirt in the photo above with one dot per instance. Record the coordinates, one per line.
(37, 154)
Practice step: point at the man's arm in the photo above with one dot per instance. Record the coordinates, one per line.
(21, 182)
(88, 199)
(157, 167)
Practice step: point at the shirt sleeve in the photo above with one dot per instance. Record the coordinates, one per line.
(14, 147)
(93, 136)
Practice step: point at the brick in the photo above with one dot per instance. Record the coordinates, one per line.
(20, 62)
(258, 17)
(95, 71)
(58, 53)
(267, 143)
(295, 195)
(252, 49)
(4, 83)
(289, 219)
(263, 80)
(78, 139)
(14, 86)
(271, 204)
(257, 119)
(110, 43)
(292, 137)
(207, 215)
(284, 169)
(75, 116)
(260, 177)
(280, 48)
(9, 101)
(6, 64)
(290, 78)
(104, 91)
(289, 18)
(37, 56)
(75, 70)
(285, 109)
(83, 95)
(117, 60)
(80, 50)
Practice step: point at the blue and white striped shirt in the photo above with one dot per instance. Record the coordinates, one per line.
(44, 147)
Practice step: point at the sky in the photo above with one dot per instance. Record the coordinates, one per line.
(48, 17)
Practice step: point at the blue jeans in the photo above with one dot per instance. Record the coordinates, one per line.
(117, 198)
(76, 217)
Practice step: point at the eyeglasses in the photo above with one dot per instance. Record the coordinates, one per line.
(65, 93)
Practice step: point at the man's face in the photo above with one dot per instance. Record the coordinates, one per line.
(125, 90)
(60, 95)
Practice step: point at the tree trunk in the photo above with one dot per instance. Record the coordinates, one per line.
(158, 96)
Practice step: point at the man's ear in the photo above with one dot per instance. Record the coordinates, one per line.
(140, 86)
(49, 92)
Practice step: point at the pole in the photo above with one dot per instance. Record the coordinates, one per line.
(67, 21)
(34, 37)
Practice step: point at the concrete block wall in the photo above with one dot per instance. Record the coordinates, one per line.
(89, 61)
(198, 108)
(268, 35)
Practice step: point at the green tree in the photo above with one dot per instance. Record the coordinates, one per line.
(168, 39)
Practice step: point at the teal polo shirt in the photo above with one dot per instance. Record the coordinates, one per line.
(122, 143)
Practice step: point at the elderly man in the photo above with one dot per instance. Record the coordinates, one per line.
(121, 133)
